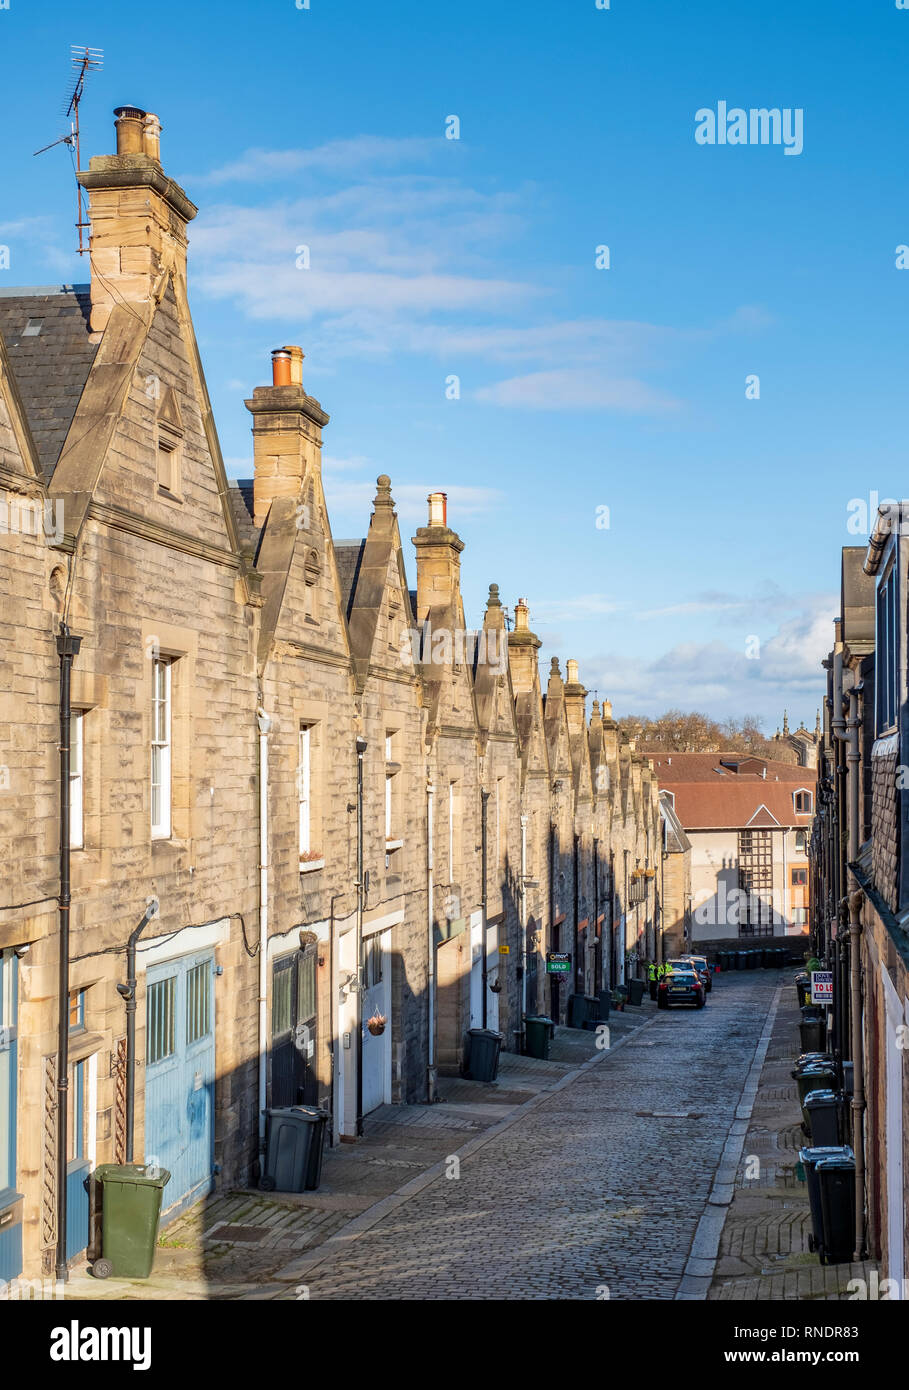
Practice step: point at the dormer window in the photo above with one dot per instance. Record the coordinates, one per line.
(804, 802)
(312, 570)
(169, 446)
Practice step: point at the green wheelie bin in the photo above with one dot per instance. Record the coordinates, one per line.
(537, 1032)
(130, 1208)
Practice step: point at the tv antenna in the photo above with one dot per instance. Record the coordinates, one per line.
(82, 61)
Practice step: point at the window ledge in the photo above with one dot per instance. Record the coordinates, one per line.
(311, 866)
(393, 845)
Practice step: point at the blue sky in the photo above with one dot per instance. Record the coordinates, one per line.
(579, 388)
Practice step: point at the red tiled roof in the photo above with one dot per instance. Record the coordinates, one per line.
(709, 796)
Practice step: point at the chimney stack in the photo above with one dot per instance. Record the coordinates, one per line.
(138, 218)
(575, 699)
(438, 560)
(287, 432)
(523, 646)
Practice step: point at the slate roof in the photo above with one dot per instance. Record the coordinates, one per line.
(51, 365)
(348, 557)
(240, 497)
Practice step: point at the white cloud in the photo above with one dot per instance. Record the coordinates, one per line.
(352, 500)
(334, 157)
(571, 609)
(722, 680)
(576, 388)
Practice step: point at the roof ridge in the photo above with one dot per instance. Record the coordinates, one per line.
(33, 291)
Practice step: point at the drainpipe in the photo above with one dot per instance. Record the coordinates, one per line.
(842, 806)
(128, 992)
(611, 982)
(621, 956)
(597, 931)
(361, 895)
(555, 934)
(484, 845)
(431, 944)
(577, 910)
(67, 649)
(856, 901)
(519, 1031)
(264, 723)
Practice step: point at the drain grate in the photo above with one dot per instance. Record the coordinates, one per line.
(243, 1235)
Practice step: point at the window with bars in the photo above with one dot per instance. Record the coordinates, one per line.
(198, 1002)
(755, 866)
(161, 1038)
(161, 748)
(282, 997)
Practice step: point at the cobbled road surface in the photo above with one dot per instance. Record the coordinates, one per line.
(599, 1188)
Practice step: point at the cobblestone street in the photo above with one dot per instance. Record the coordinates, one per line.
(598, 1186)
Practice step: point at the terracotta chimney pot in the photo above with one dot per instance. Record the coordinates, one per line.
(438, 509)
(130, 125)
(281, 367)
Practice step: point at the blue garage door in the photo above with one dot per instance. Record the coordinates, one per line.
(180, 1076)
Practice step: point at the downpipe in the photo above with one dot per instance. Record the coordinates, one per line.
(67, 649)
(856, 902)
(430, 942)
(264, 723)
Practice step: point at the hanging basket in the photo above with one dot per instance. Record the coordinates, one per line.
(376, 1024)
(495, 987)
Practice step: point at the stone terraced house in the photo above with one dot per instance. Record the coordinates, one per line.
(276, 827)
(860, 878)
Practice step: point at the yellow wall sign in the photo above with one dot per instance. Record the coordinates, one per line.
(504, 950)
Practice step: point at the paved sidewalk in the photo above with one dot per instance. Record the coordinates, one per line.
(763, 1251)
(236, 1244)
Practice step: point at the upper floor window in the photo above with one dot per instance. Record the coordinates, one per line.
(454, 831)
(304, 788)
(804, 802)
(169, 433)
(76, 1010)
(799, 878)
(392, 793)
(161, 748)
(76, 764)
(887, 653)
(801, 842)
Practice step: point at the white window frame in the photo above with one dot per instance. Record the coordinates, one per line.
(304, 789)
(161, 827)
(803, 791)
(452, 804)
(76, 779)
(389, 816)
